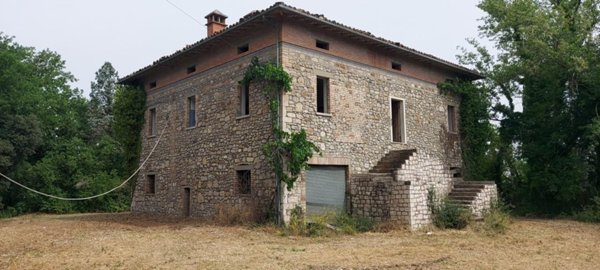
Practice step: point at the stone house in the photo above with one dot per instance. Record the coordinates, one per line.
(388, 136)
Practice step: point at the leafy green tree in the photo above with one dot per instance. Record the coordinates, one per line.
(548, 53)
(45, 137)
(129, 107)
(102, 98)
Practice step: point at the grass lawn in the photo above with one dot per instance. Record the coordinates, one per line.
(124, 241)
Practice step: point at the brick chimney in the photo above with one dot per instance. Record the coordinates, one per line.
(215, 22)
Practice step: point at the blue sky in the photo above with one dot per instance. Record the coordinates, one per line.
(133, 33)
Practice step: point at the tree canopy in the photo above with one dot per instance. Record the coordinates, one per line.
(48, 139)
(547, 56)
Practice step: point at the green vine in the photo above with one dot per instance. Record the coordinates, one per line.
(288, 153)
(476, 132)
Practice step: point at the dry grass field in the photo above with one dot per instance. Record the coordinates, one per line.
(123, 241)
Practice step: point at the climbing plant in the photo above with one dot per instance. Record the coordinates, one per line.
(476, 132)
(287, 152)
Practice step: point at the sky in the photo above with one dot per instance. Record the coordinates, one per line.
(131, 34)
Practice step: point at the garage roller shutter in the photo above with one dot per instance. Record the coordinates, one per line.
(325, 189)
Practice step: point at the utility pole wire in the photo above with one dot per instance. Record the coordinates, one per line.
(94, 196)
(183, 11)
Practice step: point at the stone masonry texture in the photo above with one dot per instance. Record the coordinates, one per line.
(355, 133)
(204, 158)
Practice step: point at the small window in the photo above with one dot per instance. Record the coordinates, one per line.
(322, 44)
(152, 84)
(322, 95)
(244, 48)
(152, 123)
(452, 119)
(398, 120)
(245, 100)
(150, 184)
(191, 111)
(244, 181)
(191, 69)
(396, 66)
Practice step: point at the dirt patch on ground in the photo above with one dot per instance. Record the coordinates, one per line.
(124, 241)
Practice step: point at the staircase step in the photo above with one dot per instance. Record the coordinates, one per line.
(461, 198)
(467, 189)
(461, 202)
(462, 193)
(390, 163)
(393, 160)
(474, 186)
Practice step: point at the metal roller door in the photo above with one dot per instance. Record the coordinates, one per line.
(325, 189)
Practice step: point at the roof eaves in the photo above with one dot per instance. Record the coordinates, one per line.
(370, 36)
(255, 14)
(247, 18)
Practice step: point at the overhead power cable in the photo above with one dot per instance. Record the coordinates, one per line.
(183, 11)
(95, 196)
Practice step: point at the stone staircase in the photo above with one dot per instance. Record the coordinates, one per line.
(473, 195)
(392, 161)
(464, 193)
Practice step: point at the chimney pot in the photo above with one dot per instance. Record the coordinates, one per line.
(215, 22)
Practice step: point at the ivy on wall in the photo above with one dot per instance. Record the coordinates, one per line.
(288, 153)
(476, 132)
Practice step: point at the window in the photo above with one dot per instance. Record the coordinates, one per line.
(191, 69)
(187, 202)
(244, 48)
(152, 124)
(244, 182)
(451, 119)
(150, 184)
(398, 120)
(191, 111)
(322, 95)
(152, 84)
(322, 44)
(396, 66)
(245, 100)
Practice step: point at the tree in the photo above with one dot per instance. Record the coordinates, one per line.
(102, 98)
(548, 54)
(45, 139)
(129, 107)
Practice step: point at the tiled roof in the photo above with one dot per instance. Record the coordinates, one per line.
(255, 14)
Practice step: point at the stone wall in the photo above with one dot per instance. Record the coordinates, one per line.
(402, 196)
(358, 127)
(380, 197)
(204, 158)
(487, 197)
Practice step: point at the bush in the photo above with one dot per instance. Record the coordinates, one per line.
(496, 220)
(297, 226)
(351, 225)
(446, 214)
(326, 224)
(449, 215)
(590, 213)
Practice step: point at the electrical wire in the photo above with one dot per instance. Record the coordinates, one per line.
(183, 11)
(94, 196)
